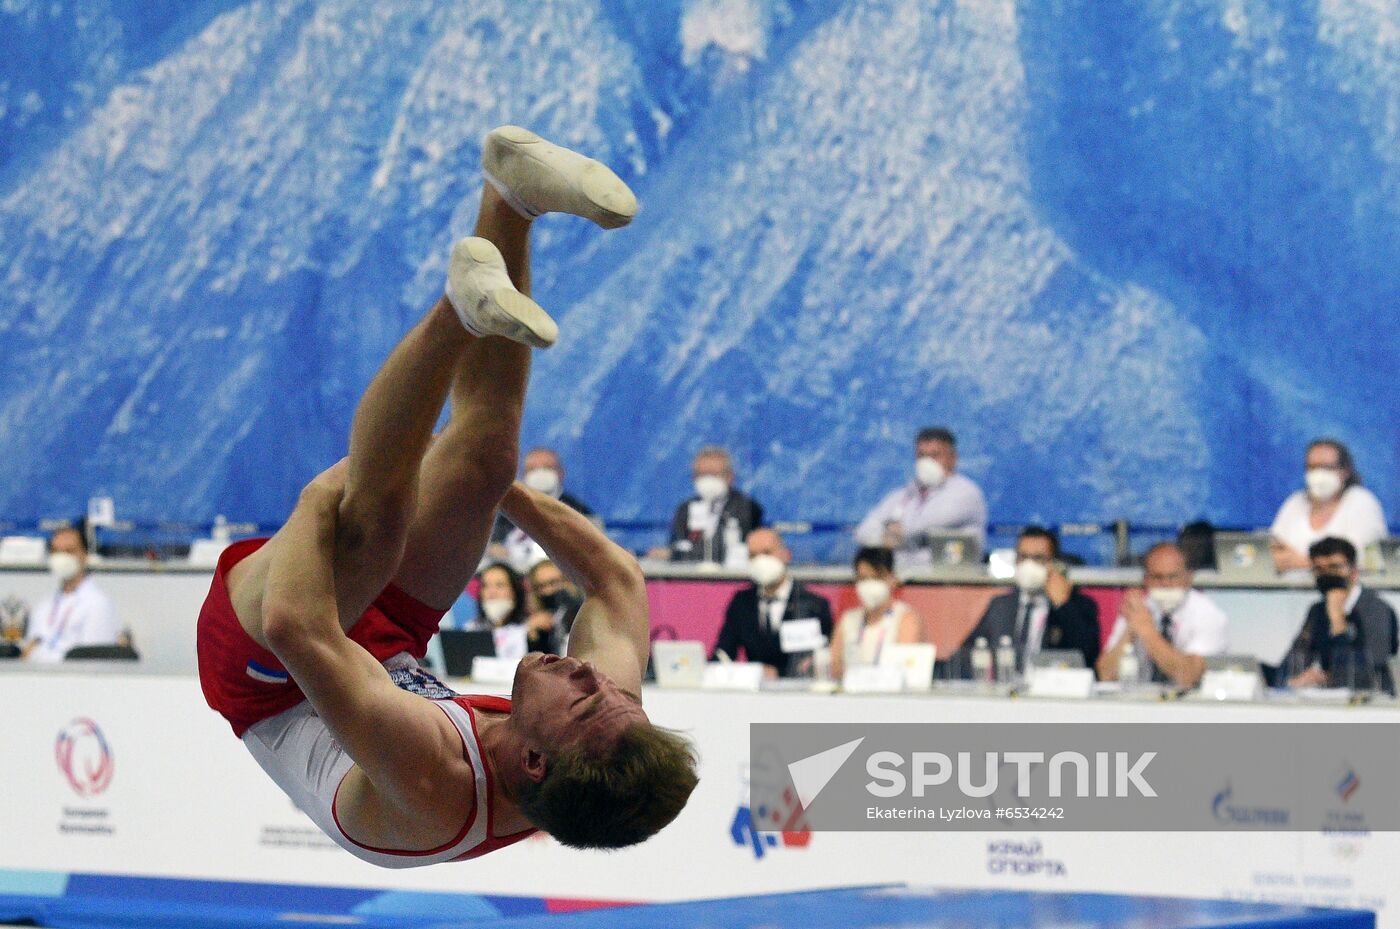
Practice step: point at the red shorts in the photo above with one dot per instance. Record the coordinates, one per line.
(246, 683)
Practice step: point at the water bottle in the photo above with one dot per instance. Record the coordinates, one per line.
(1128, 671)
(1006, 660)
(981, 661)
(220, 532)
(736, 556)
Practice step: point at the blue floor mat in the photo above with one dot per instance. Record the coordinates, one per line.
(104, 902)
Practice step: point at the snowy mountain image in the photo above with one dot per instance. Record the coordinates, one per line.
(1135, 253)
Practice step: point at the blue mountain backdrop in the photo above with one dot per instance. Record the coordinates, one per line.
(1135, 253)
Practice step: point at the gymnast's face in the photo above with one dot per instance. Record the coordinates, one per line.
(561, 702)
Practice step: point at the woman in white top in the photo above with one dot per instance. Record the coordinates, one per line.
(863, 631)
(502, 608)
(1333, 504)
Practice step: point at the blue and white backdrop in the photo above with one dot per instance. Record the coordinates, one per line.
(1135, 252)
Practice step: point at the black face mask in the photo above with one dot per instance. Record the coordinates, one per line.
(556, 599)
(1326, 582)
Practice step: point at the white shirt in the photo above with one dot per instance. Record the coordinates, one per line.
(957, 503)
(1040, 611)
(863, 643)
(777, 606)
(1199, 627)
(1358, 519)
(512, 641)
(63, 621)
(702, 516)
(523, 552)
(1352, 597)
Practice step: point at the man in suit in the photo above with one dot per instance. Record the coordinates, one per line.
(757, 613)
(540, 470)
(1350, 633)
(699, 526)
(1044, 611)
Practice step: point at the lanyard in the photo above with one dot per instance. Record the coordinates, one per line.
(67, 614)
(883, 627)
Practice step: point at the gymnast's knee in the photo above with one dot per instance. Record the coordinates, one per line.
(372, 526)
(485, 462)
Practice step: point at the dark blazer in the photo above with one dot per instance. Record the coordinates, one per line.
(502, 527)
(1356, 658)
(742, 628)
(688, 546)
(1074, 624)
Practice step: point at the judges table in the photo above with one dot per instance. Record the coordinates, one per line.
(160, 602)
(1264, 616)
(113, 772)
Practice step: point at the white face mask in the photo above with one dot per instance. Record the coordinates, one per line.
(496, 609)
(711, 487)
(1031, 575)
(928, 472)
(872, 593)
(766, 570)
(543, 480)
(1167, 598)
(64, 566)
(1323, 483)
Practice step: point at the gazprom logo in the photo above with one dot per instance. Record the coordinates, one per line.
(1225, 810)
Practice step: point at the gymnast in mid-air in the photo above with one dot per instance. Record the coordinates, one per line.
(309, 641)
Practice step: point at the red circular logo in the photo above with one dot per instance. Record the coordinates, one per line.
(83, 757)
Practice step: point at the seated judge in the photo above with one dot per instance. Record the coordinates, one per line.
(938, 497)
(1170, 626)
(1332, 503)
(542, 470)
(554, 605)
(1045, 611)
(881, 618)
(76, 611)
(1349, 634)
(699, 524)
(754, 619)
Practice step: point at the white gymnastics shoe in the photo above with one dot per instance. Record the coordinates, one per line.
(535, 177)
(487, 302)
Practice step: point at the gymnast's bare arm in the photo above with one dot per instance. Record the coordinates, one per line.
(613, 628)
(401, 744)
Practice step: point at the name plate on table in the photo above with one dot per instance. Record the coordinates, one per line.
(800, 635)
(1073, 683)
(700, 518)
(204, 553)
(490, 670)
(873, 679)
(914, 660)
(1232, 684)
(732, 675)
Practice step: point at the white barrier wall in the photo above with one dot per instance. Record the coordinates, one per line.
(151, 782)
(160, 608)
